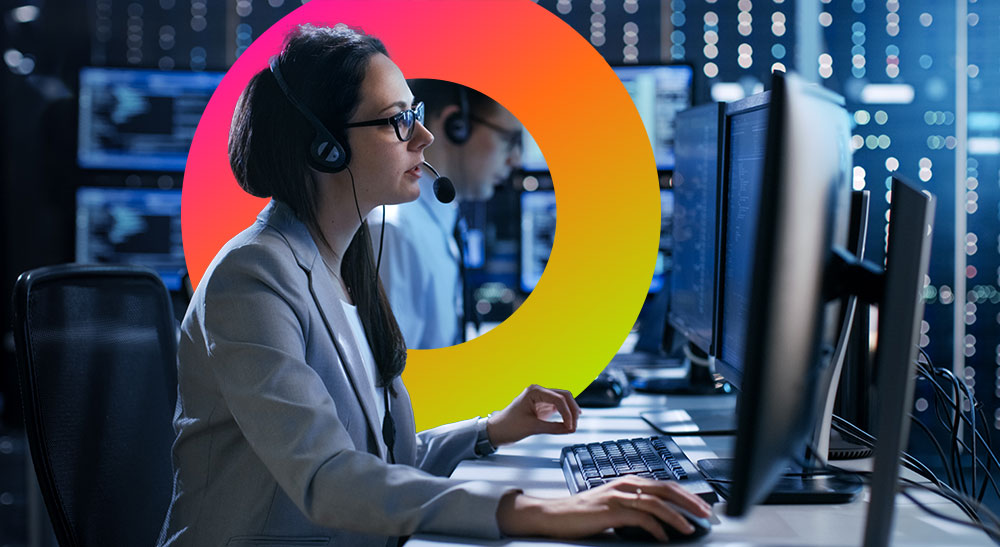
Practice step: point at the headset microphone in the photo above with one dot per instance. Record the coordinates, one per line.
(444, 190)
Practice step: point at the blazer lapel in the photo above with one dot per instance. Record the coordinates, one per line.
(327, 296)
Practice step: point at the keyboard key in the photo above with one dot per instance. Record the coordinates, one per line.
(582, 454)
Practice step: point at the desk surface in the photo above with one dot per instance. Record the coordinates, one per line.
(533, 465)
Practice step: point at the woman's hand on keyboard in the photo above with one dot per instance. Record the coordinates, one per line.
(528, 415)
(629, 501)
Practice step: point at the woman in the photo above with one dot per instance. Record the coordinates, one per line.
(293, 426)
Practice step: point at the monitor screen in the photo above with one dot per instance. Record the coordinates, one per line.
(140, 119)
(532, 160)
(696, 188)
(659, 93)
(664, 256)
(746, 135)
(538, 232)
(131, 226)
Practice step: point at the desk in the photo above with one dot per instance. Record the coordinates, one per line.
(533, 465)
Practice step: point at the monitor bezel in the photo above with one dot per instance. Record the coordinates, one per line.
(752, 103)
(673, 319)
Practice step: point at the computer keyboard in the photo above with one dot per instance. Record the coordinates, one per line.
(591, 465)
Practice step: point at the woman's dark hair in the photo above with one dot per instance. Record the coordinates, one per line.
(269, 146)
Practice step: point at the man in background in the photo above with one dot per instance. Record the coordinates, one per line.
(477, 144)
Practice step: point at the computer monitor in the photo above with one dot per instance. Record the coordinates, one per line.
(786, 209)
(131, 226)
(745, 127)
(538, 232)
(696, 197)
(901, 306)
(790, 330)
(664, 255)
(140, 119)
(659, 92)
(532, 160)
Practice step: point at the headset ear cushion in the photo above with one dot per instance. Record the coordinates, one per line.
(456, 128)
(326, 154)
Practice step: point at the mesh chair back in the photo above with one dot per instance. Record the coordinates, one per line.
(97, 349)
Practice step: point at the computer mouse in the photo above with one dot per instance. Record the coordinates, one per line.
(701, 526)
(605, 391)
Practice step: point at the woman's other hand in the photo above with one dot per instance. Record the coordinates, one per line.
(619, 503)
(528, 415)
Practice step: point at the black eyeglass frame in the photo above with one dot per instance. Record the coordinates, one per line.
(513, 137)
(417, 112)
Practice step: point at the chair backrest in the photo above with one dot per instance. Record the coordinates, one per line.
(96, 351)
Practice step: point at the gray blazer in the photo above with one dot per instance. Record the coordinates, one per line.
(278, 441)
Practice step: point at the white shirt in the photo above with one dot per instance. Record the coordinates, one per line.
(420, 268)
(366, 357)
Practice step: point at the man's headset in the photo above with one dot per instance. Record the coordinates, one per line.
(457, 126)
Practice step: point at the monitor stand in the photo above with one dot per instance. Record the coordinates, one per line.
(795, 488)
(792, 489)
(841, 449)
(694, 376)
(697, 422)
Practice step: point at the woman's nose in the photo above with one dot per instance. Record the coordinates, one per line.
(422, 137)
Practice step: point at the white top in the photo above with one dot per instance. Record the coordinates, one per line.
(366, 357)
(420, 268)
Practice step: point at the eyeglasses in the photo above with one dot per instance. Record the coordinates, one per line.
(403, 123)
(510, 136)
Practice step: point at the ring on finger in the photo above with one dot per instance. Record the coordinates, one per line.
(638, 496)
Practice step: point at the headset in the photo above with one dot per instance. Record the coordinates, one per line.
(457, 126)
(326, 154)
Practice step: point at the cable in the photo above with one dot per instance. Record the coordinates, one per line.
(866, 439)
(993, 457)
(955, 466)
(908, 461)
(948, 398)
(989, 443)
(943, 490)
(381, 240)
(928, 371)
(934, 441)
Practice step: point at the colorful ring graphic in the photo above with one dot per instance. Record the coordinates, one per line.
(600, 158)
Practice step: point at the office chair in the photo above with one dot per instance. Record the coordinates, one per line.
(96, 354)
